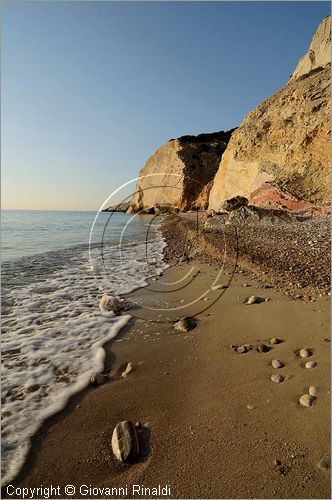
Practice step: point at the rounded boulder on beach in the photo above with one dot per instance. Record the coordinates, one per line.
(125, 444)
(306, 400)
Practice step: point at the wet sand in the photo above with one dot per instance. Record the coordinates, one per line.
(213, 423)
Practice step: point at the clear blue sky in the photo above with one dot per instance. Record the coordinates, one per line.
(91, 89)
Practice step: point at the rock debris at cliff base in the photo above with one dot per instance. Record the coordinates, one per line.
(293, 256)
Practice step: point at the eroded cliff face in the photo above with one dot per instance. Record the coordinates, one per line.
(319, 53)
(180, 173)
(284, 144)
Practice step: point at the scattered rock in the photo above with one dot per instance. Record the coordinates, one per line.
(234, 203)
(275, 340)
(138, 424)
(276, 462)
(275, 377)
(108, 303)
(310, 365)
(219, 287)
(306, 400)
(185, 325)
(242, 349)
(304, 353)
(263, 348)
(313, 390)
(276, 363)
(129, 368)
(324, 464)
(213, 224)
(254, 300)
(98, 379)
(125, 441)
(250, 407)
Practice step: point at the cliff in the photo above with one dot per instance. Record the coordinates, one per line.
(180, 173)
(281, 152)
(319, 53)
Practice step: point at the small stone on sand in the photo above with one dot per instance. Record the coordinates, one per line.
(242, 349)
(125, 442)
(251, 300)
(310, 365)
(306, 400)
(219, 287)
(276, 363)
(98, 379)
(185, 325)
(275, 377)
(324, 464)
(263, 348)
(313, 390)
(304, 353)
(108, 304)
(129, 368)
(275, 340)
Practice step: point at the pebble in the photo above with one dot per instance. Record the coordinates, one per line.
(275, 377)
(324, 464)
(250, 407)
(263, 348)
(219, 287)
(313, 390)
(185, 325)
(108, 304)
(304, 353)
(251, 300)
(306, 400)
(125, 441)
(310, 365)
(276, 363)
(275, 340)
(242, 349)
(98, 379)
(129, 368)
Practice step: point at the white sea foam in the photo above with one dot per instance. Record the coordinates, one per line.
(53, 331)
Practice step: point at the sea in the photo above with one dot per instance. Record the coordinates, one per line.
(56, 265)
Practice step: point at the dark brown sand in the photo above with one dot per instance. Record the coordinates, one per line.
(213, 423)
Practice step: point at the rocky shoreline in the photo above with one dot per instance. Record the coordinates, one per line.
(292, 255)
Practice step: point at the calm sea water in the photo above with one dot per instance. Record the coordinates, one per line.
(52, 329)
(31, 232)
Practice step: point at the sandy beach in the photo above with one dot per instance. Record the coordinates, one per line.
(212, 423)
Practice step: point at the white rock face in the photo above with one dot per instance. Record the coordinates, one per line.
(180, 173)
(280, 154)
(319, 53)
